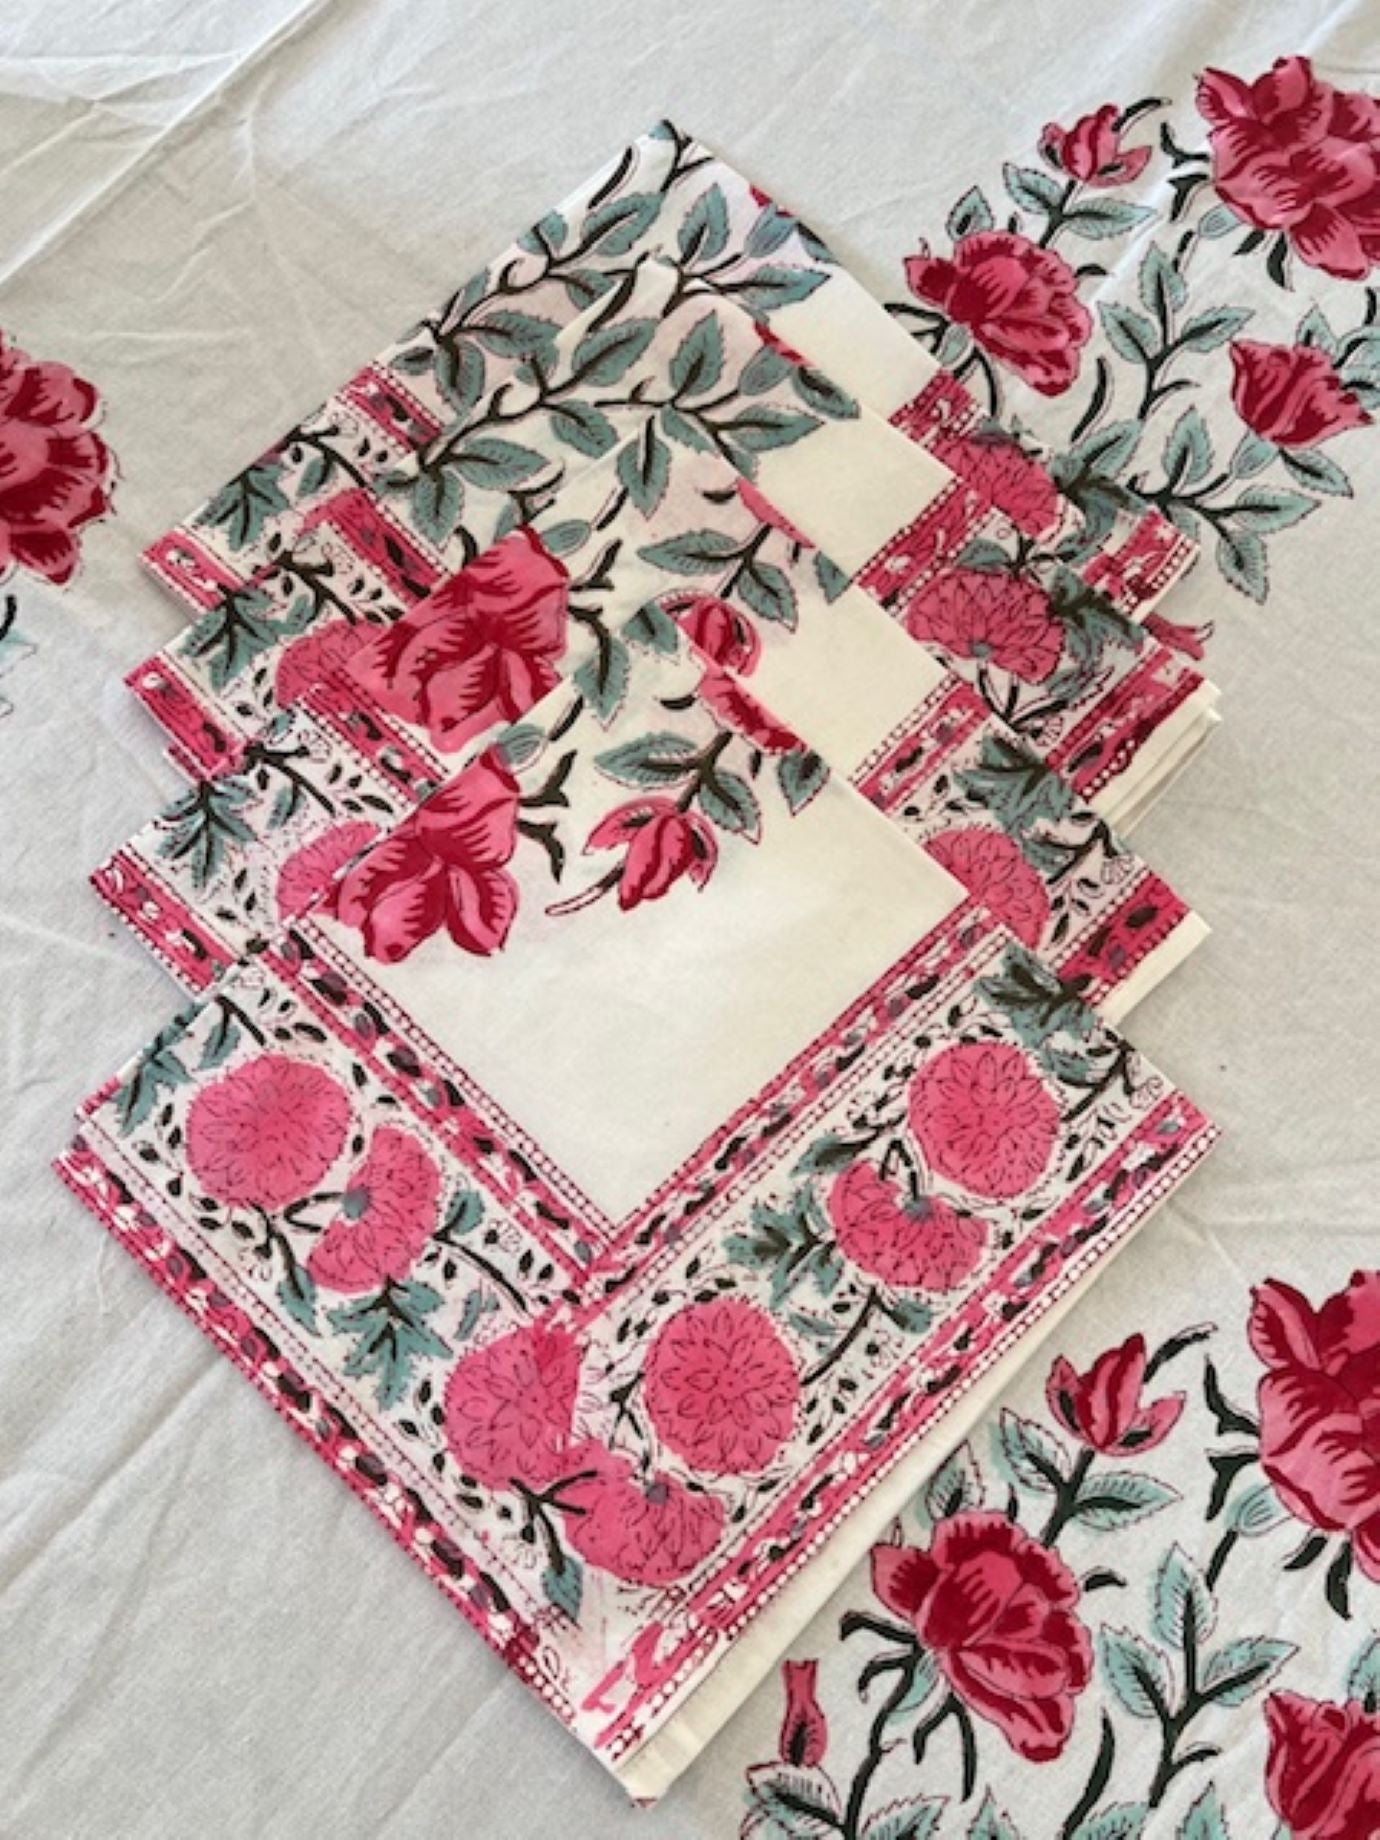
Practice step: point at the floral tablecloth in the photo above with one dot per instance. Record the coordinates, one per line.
(207, 220)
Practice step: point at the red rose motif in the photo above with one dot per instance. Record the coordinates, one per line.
(55, 471)
(996, 1609)
(386, 1216)
(725, 636)
(983, 1119)
(738, 710)
(510, 1405)
(313, 658)
(922, 1244)
(663, 843)
(759, 504)
(804, 1730)
(998, 467)
(266, 1134)
(721, 1387)
(1320, 1407)
(646, 1531)
(1293, 154)
(975, 614)
(1020, 303)
(479, 651)
(1091, 150)
(315, 866)
(1103, 1407)
(1323, 1770)
(990, 865)
(1291, 394)
(442, 867)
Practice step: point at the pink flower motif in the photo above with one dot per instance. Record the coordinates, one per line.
(990, 865)
(663, 843)
(266, 1134)
(922, 1244)
(1007, 476)
(738, 710)
(1103, 1409)
(313, 658)
(645, 1530)
(725, 636)
(721, 1387)
(442, 867)
(1292, 395)
(510, 1405)
(1323, 1773)
(386, 1216)
(55, 472)
(1293, 154)
(1320, 1407)
(1091, 150)
(984, 615)
(315, 866)
(804, 1729)
(481, 649)
(1020, 302)
(996, 1610)
(983, 1119)
(761, 506)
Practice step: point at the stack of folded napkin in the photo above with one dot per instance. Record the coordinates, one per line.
(656, 911)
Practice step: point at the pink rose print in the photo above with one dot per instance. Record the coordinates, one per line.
(725, 636)
(480, 651)
(983, 1119)
(1103, 1408)
(1320, 1407)
(663, 843)
(804, 1729)
(56, 473)
(1020, 303)
(645, 1530)
(509, 1407)
(1293, 154)
(386, 1216)
(1091, 150)
(990, 865)
(721, 1387)
(1291, 394)
(996, 617)
(315, 866)
(266, 1134)
(998, 468)
(1323, 1772)
(919, 1244)
(996, 1609)
(442, 867)
(760, 505)
(313, 658)
(742, 712)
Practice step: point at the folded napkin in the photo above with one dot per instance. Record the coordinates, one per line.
(668, 196)
(672, 378)
(396, 708)
(629, 1176)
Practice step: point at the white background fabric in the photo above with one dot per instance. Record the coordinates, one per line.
(213, 211)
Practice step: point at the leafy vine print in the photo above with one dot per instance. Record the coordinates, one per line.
(1291, 171)
(984, 1631)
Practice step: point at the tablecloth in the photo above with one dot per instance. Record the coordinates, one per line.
(212, 212)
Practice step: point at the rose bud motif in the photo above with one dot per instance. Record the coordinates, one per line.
(1323, 1770)
(1091, 150)
(804, 1730)
(725, 636)
(1103, 1408)
(662, 843)
(1291, 394)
